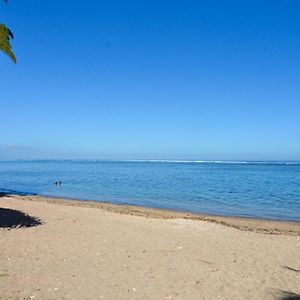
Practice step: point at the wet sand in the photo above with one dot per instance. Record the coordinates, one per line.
(96, 250)
(248, 224)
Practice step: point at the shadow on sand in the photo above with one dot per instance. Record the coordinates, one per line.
(289, 296)
(10, 218)
(284, 295)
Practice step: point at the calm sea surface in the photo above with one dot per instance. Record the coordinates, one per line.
(264, 190)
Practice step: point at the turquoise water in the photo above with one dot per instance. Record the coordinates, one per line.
(262, 189)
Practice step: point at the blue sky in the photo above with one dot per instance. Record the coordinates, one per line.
(151, 79)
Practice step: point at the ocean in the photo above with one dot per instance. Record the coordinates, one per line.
(250, 189)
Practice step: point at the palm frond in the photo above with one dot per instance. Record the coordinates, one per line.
(5, 36)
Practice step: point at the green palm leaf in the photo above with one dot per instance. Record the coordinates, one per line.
(5, 36)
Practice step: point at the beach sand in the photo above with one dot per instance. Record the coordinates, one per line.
(90, 250)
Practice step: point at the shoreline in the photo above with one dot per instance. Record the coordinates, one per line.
(266, 226)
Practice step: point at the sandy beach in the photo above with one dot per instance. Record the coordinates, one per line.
(93, 250)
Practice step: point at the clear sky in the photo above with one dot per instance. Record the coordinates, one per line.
(151, 79)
